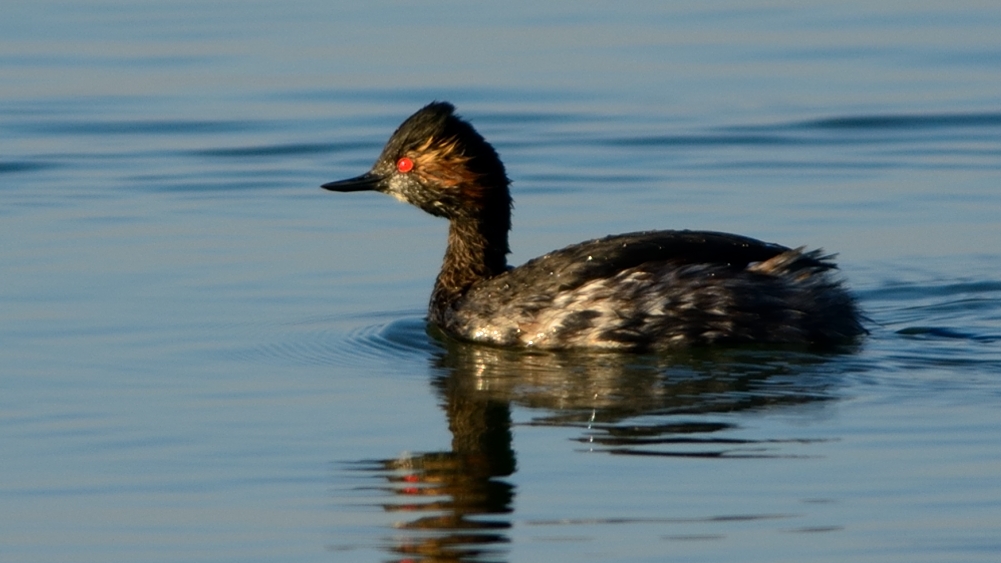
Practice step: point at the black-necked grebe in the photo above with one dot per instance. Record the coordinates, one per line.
(654, 289)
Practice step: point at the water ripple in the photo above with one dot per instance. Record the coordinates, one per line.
(320, 342)
(23, 166)
(934, 333)
(138, 127)
(930, 328)
(795, 133)
(274, 150)
(916, 121)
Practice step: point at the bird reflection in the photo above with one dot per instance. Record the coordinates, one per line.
(457, 503)
(458, 496)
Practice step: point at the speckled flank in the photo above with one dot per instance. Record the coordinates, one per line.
(661, 304)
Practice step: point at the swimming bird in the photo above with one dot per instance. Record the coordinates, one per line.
(645, 290)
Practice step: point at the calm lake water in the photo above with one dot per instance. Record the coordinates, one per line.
(204, 357)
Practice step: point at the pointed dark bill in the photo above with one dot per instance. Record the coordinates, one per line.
(365, 182)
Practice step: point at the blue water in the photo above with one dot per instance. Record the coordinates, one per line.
(204, 357)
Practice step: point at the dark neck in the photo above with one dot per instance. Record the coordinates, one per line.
(475, 252)
(477, 249)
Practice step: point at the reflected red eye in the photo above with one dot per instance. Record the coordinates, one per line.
(405, 165)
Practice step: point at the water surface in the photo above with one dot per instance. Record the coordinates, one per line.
(206, 358)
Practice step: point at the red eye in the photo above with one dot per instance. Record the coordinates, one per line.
(405, 165)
